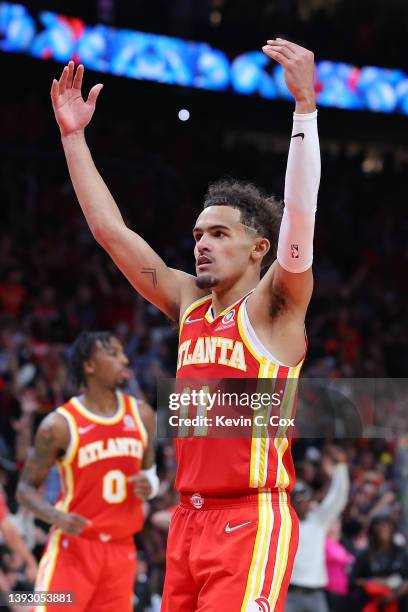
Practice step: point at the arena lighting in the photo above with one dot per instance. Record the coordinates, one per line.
(174, 61)
(184, 114)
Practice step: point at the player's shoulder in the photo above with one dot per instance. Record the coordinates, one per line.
(53, 419)
(145, 409)
(54, 428)
(198, 306)
(147, 414)
(62, 413)
(142, 407)
(67, 411)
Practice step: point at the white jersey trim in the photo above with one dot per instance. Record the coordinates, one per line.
(73, 434)
(193, 305)
(97, 418)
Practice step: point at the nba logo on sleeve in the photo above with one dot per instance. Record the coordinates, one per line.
(295, 251)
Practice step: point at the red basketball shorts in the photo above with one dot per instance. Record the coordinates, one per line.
(100, 574)
(232, 554)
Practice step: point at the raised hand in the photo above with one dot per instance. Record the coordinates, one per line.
(298, 67)
(71, 111)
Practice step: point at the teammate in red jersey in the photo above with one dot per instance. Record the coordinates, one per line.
(232, 540)
(102, 443)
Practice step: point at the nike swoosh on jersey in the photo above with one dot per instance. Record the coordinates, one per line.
(229, 529)
(82, 430)
(188, 320)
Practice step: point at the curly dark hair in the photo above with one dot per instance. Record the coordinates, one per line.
(81, 351)
(258, 211)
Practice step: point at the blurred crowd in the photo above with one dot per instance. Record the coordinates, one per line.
(55, 281)
(342, 30)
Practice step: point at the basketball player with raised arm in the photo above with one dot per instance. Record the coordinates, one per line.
(233, 538)
(103, 444)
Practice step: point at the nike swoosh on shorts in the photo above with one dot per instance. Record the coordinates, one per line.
(229, 529)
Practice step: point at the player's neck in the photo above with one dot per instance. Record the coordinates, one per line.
(100, 401)
(222, 299)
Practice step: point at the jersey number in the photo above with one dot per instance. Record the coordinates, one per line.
(199, 431)
(114, 487)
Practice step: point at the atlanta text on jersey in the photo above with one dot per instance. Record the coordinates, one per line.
(114, 447)
(212, 349)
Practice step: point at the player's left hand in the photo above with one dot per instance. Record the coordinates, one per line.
(298, 66)
(141, 486)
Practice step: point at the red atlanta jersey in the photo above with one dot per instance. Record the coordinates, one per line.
(227, 347)
(94, 471)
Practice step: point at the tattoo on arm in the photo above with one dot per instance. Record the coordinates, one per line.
(35, 472)
(153, 273)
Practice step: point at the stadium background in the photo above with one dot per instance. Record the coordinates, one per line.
(55, 281)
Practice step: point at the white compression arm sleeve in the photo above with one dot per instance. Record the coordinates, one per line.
(295, 245)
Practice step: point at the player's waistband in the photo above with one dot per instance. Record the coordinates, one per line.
(106, 538)
(196, 501)
(97, 536)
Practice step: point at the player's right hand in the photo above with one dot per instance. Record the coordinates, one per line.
(71, 111)
(298, 66)
(71, 523)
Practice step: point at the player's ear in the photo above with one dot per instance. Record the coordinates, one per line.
(89, 367)
(260, 248)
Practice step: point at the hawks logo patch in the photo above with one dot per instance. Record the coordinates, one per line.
(263, 604)
(197, 501)
(130, 425)
(229, 317)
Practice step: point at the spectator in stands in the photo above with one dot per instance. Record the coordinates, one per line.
(338, 561)
(309, 576)
(380, 573)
